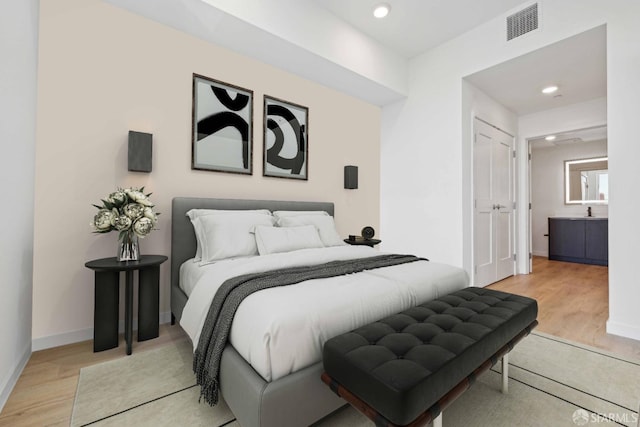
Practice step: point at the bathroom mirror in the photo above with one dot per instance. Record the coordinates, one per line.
(586, 181)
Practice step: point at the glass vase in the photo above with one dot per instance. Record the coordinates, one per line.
(128, 249)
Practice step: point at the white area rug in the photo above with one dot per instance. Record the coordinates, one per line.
(552, 383)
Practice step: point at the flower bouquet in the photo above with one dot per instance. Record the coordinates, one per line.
(130, 212)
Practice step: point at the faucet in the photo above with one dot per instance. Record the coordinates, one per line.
(589, 211)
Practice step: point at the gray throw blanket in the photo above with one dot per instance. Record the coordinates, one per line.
(217, 326)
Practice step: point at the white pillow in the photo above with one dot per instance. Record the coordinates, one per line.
(194, 214)
(324, 223)
(286, 214)
(228, 236)
(271, 240)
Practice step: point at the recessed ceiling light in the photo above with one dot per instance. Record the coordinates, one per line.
(550, 137)
(381, 10)
(549, 89)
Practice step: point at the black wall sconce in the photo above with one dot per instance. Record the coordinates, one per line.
(351, 177)
(139, 151)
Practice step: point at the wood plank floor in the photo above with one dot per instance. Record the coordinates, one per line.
(44, 393)
(572, 302)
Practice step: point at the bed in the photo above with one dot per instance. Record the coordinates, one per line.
(293, 399)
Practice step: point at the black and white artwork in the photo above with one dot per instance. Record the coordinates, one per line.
(286, 145)
(222, 135)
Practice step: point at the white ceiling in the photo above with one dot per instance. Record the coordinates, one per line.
(311, 38)
(584, 135)
(415, 26)
(576, 64)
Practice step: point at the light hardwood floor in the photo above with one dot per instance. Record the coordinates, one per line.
(572, 301)
(46, 389)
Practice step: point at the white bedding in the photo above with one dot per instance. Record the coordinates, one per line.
(282, 330)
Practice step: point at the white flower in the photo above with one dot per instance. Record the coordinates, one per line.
(133, 210)
(138, 197)
(127, 210)
(123, 222)
(117, 198)
(102, 221)
(145, 202)
(143, 226)
(148, 213)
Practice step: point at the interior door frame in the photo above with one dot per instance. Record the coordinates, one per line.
(529, 235)
(529, 187)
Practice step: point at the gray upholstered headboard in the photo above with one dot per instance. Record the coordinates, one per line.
(183, 239)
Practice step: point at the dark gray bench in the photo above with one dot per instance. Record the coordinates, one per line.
(405, 369)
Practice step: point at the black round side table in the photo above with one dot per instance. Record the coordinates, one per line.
(107, 295)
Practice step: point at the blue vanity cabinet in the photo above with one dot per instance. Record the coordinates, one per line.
(582, 240)
(597, 240)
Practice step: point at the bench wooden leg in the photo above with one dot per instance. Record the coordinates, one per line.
(505, 373)
(437, 421)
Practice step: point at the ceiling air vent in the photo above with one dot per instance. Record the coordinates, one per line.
(522, 22)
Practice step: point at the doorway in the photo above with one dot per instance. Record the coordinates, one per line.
(512, 92)
(556, 189)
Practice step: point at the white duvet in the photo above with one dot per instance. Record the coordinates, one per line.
(282, 330)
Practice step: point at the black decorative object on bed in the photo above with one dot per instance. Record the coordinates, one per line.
(215, 331)
(222, 126)
(286, 145)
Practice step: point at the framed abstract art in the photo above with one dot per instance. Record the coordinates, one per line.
(222, 134)
(286, 144)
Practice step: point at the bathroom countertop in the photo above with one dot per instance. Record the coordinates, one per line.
(580, 217)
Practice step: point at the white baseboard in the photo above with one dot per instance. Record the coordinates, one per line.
(83, 334)
(540, 253)
(10, 381)
(623, 330)
(65, 338)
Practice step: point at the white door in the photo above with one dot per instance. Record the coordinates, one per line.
(493, 201)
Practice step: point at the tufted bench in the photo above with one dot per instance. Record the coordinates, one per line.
(404, 369)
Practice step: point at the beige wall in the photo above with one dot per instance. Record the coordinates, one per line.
(104, 71)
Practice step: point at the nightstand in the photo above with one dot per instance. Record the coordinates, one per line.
(359, 241)
(107, 295)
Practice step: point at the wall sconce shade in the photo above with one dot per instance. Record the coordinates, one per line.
(139, 151)
(351, 177)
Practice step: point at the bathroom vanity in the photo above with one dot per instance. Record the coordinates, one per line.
(583, 240)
